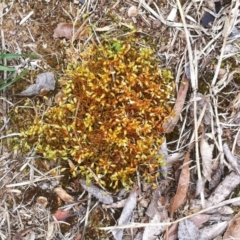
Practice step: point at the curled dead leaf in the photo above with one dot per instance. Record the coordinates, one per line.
(44, 83)
(42, 201)
(171, 122)
(64, 195)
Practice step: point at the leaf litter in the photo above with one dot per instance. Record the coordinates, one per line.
(194, 198)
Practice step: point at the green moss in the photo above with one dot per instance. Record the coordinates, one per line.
(110, 120)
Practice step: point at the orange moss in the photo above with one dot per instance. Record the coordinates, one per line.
(110, 121)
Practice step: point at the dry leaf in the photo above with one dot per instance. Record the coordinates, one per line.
(132, 11)
(44, 83)
(212, 231)
(64, 30)
(60, 215)
(200, 186)
(187, 230)
(233, 228)
(231, 159)
(64, 195)
(52, 229)
(42, 201)
(216, 178)
(67, 30)
(199, 219)
(182, 189)
(171, 233)
(151, 232)
(126, 214)
(238, 140)
(97, 193)
(225, 188)
(206, 153)
(152, 208)
(171, 122)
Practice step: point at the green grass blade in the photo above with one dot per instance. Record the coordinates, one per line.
(5, 83)
(15, 55)
(8, 69)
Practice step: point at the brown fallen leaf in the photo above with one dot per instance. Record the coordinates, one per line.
(64, 195)
(182, 188)
(42, 201)
(69, 31)
(64, 30)
(171, 122)
(171, 232)
(233, 228)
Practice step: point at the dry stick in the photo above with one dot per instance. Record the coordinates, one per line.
(194, 86)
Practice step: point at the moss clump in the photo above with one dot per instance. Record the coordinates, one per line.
(110, 119)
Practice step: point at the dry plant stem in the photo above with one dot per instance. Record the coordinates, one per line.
(139, 225)
(194, 82)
